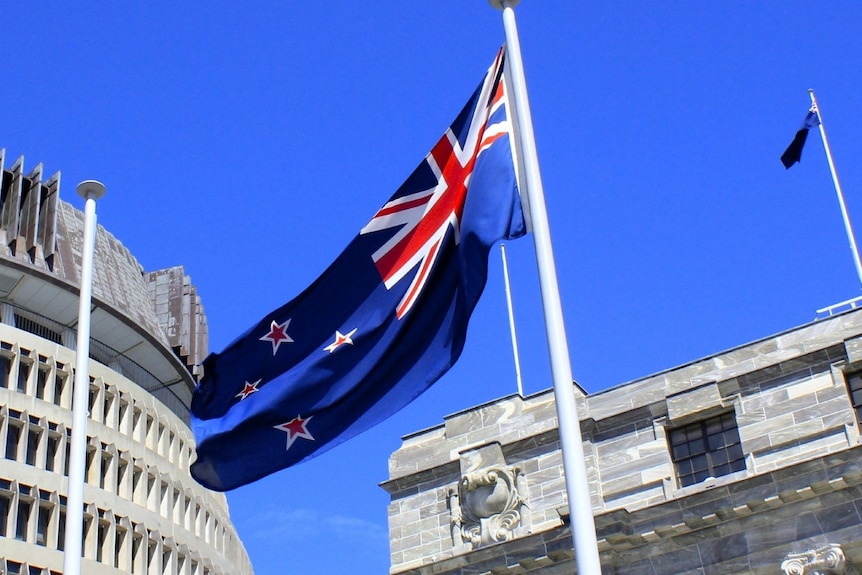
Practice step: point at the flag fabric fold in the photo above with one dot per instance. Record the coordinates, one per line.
(384, 321)
(793, 153)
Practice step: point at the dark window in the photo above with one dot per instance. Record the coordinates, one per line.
(41, 383)
(854, 386)
(708, 448)
(102, 542)
(32, 445)
(61, 531)
(42, 523)
(36, 327)
(13, 437)
(5, 368)
(59, 386)
(51, 452)
(23, 520)
(88, 526)
(104, 470)
(23, 374)
(67, 456)
(91, 402)
(5, 505)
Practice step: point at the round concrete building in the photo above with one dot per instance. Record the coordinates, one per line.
(144, 514)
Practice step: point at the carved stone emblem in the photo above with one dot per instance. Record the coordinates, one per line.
(827, 560)
(486, 506)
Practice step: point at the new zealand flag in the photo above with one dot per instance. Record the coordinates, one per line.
(383, 322)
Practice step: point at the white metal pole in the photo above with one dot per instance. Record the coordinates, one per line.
(512, 321)
(574, 464)
(90, 190)
(847, 227)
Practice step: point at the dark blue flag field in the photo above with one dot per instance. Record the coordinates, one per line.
(384, 321)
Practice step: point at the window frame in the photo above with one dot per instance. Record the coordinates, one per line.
(707, 448)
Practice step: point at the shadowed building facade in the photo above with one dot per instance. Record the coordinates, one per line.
(748, 461)
(144, 514)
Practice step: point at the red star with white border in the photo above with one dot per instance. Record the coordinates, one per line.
(295, 428)
(340, 339)
(248, 389)
(277, 335)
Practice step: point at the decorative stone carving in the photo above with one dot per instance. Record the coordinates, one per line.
(827, 560)
(486, 507)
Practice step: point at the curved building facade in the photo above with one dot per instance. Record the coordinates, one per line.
(144, 514)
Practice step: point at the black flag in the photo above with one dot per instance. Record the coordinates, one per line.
(793, 153)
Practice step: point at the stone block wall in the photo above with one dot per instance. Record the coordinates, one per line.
(787, 394)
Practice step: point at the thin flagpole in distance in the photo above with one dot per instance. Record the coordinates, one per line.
(90, 190)
(580, 504)
(512, 321)
(847, 227)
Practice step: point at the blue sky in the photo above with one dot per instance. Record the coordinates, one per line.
(251, 143)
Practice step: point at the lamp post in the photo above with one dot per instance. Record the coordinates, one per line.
(90, 190)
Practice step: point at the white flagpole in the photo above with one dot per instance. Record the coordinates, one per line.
(580, 504)
(512, 321)
(847, 227)
(90, 190)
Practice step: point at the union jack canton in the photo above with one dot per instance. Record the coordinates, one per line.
(384, 321)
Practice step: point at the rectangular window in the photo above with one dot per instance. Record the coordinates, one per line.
(137, 490)
(33, 435)
(120, 537)
(151, 557)
(5, 369)
(5, 505)
(61, 530)
(102, 543)
(708, 448)
(152, 493)
(124, 424)
(42, 523)
(136, 422)
(137, 543)
(122, 479)
(13, 439)
(107, 410)
(854, 387)
(105, 470)
(23, 520)
(87, 533)
(51, 447)
(41, 381)
(91, 401)
(166, 562)
(93, 466)
(23, 375)
(67, 455)
(165, 500)
(59, 388)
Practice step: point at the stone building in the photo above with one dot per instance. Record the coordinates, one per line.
(144, 514)
(745, 462)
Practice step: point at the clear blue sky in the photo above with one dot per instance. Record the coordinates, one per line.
(251, 142)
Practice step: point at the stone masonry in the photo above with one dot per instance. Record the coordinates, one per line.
(484, 493)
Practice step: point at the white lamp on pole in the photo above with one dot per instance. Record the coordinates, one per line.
(90, 190)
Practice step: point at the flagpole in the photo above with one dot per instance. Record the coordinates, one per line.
(90, 190)
(580, 505)
(847, 227)
(512, 321)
